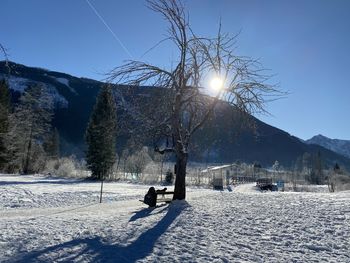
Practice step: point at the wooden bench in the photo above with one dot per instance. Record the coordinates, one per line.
(159, 195)
(163, 193)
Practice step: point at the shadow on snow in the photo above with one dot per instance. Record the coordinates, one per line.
(95, 250)
(146, 212)
(63, 182)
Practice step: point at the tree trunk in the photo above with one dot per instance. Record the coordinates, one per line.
(161, 170)
(27, 157)
(117, 168)
(180, 181)
(101, 191)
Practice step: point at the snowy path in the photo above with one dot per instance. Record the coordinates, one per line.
(245, 226)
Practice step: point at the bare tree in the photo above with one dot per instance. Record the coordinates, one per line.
(3, 50)
(182, 105)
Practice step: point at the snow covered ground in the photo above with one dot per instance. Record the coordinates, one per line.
(60, 220)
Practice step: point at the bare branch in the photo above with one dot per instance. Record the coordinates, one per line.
(184, 106)
(5, 54)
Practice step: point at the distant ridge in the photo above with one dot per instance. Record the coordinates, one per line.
(336, 145)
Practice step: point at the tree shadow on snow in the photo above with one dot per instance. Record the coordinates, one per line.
(95, 250)
(145, 212)
(63, 182)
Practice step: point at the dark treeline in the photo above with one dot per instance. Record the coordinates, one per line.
(27, 138)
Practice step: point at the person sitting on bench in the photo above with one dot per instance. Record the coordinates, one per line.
(151, 197)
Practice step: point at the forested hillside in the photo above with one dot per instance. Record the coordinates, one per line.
(225, 138)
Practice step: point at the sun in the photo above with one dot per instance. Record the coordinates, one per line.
(216, 83)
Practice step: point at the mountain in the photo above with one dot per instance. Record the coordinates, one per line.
(221, 140)
(339, 146)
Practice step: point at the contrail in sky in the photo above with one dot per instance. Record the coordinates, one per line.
(109, 29)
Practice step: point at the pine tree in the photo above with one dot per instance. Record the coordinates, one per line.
(5, 104)
(52, 145)
(29, 128)
(101, 135)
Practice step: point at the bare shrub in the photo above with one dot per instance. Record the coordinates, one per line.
(341, 182)
(66, 167)
(136, 163)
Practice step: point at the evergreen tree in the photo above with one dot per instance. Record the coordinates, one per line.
(101, 134)
(169, 177)
(5, 104)
(29, 127)
(52, 145)
(336, 168)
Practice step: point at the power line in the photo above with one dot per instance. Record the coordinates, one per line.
(109, 29)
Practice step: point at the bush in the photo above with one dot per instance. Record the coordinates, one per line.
(65, 167)
(340, 182)
(150, 174)
(169, 177)
(136, 163)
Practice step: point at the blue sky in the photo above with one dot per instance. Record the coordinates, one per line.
(305, 43)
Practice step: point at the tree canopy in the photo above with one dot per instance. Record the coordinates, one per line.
(187, 104)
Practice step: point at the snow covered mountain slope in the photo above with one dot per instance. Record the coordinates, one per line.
(339, 146)
(220, 140)
(19, 84)
(211, 226)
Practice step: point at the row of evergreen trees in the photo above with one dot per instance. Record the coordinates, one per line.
(27, 138)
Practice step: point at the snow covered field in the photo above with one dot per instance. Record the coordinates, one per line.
(60, 220)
